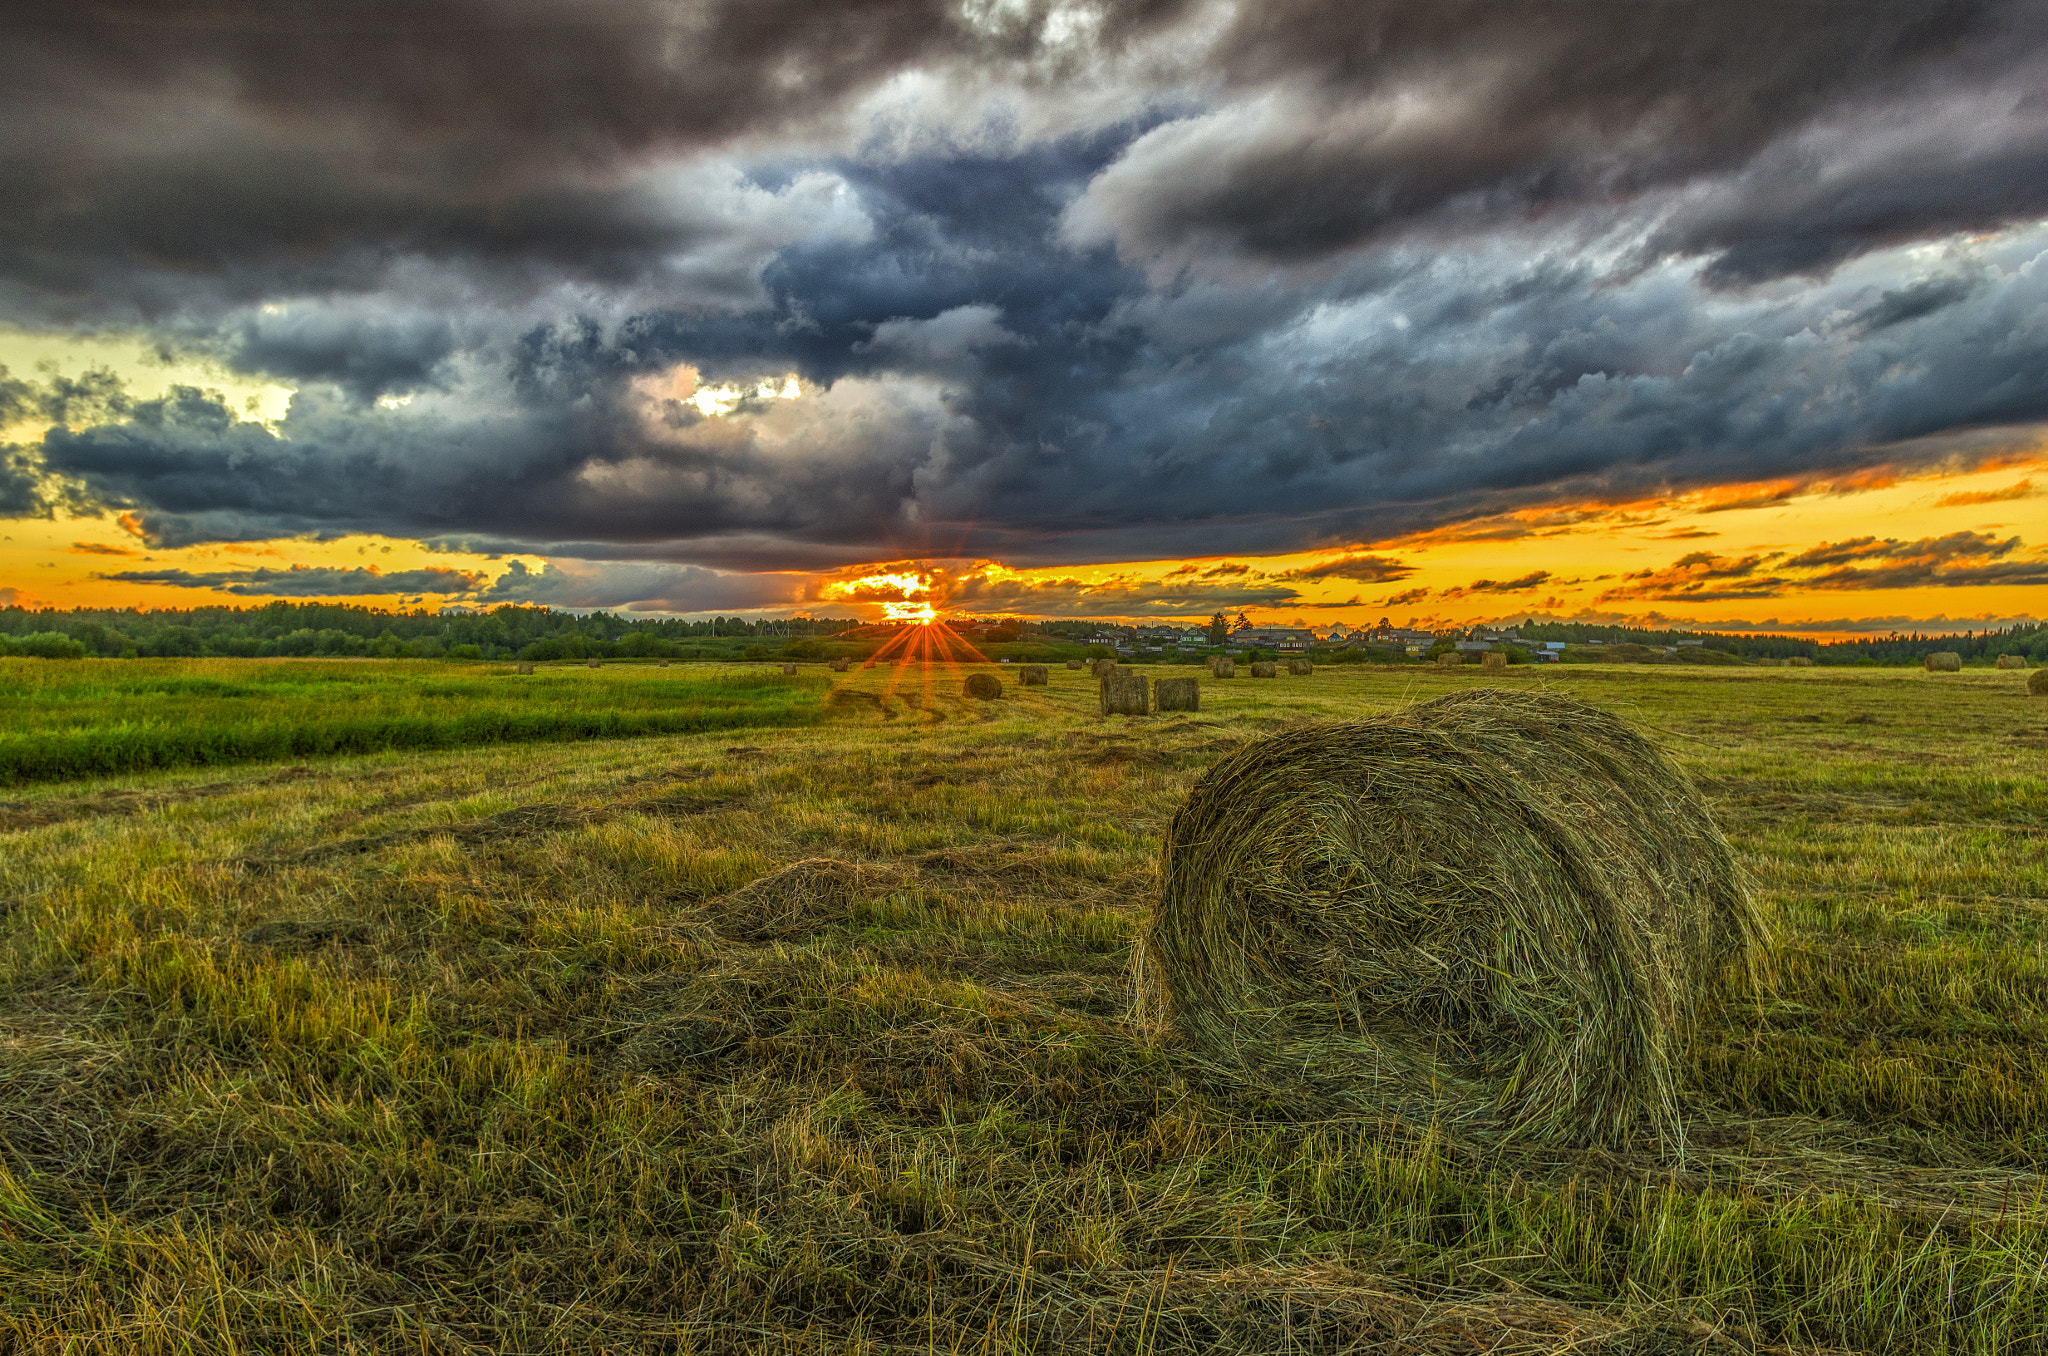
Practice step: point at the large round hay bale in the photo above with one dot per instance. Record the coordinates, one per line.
(526, 668)
(1032, 675)
(1124, 692)
(597, 663)
(986, 686)
(1493, 659)
(1177, 694)
(1103, 666)
(1073, 663)
(1300, 668)
(839, 665)
(1265, 669)
(1212, 661)
(1225, 668)
(1944, 661)
(1450, 659)
(1496, 910)
(2012, 661)
(2037, 682)
(789, 670)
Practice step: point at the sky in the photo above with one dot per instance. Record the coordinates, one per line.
(1724, 313)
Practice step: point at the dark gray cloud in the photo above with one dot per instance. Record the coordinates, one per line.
(307, 581)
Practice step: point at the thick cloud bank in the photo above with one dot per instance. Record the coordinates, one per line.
(713, 287)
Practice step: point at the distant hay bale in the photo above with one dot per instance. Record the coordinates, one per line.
(526, 668)
(1103, 666)
(1300, 668)
(1224, 668)
(1497, 910)
(1265, 669)
(597, 663)
(1944, 661)
(789, 670)
(1177, 694)
(1073, 663)
(1450, 659)
(1799, 661)
(1493, 659)
(1212, 661)
(799, 898)
(1032, 675)
(839, 665)
(986, 686)
(1124, 692)
(2012, 661)
(2037, 682)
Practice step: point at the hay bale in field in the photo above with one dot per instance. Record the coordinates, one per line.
(1300, 668)
(526, 668)
(1799, 661)
(1124, 692)
(799, 898)
(1032, 675)
(2037, 682)
(1450, 659)
(839, 666)
(597, 663)
(1224, 668)
(1265, 669)
(1103, 666)
(1944, 661)
(2012, 661)
(1177, 694)
(1493, 659)
(1073, 663)
(789, 670)
(1497, 910)
(986, 686)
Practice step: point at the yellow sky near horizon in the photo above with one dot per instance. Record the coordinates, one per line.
(1736, 556)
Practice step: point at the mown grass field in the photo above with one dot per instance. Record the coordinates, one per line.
(470, 1050)
(81, 718)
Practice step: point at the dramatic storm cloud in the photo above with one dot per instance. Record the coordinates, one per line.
(693, 298)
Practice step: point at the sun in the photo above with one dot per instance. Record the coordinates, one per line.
(921, 613)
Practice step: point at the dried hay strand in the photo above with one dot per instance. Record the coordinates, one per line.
(1493, 659)
(1103, 666)
(1125, 693)
(1496, 910)
(1450, 659)
(2012, 661)
(1265, 669)
(2037, 682)
(1177, 694)
(1073, 663)
(799, 898)
(526, 668)
(1224, 668)
(1032, 675)
(986, 686)
(1300, 668)
(1944, 661)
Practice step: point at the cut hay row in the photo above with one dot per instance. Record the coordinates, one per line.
(1496, 910)
(1944, 661)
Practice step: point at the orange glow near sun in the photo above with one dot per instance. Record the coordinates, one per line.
(922, 613)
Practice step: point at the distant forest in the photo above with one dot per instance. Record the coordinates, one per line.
(539, 633)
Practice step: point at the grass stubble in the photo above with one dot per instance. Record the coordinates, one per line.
(491, 1050)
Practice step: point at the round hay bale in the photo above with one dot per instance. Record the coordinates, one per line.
(1799, 661)
(1073, 663)
(597, 663)
(1300, 668)
(1495, 910)
(1032, 675)
(1944, 661)
(789, 670)
(2012, 661)
(1450, 659)
(1225, 668)
(839, 666)
(1124, 692)
(1103, 666)
(799, 898)
(1265, 669)
(1493, 659)
(526, 668)
(1177, 694)
(986, 686)
(2037, 682)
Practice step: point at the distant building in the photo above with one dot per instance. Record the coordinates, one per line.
(1284, 639)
